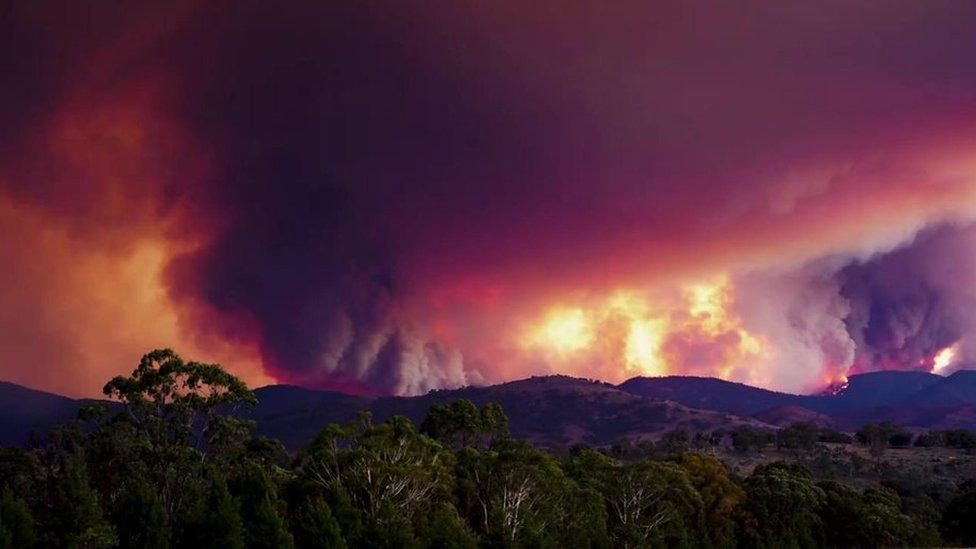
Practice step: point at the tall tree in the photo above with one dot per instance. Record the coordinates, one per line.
(140, 518)
(261, 510)
(721, 496)
(314, 526)
(958, 524)
(175, 409)
(783, 502)
(16, 522)
(78, 517)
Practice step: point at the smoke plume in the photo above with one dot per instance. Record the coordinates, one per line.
(390, 198)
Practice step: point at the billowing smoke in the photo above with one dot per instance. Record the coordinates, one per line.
(907, 304)
(801, 312)
(892, 310)
(333, 136)
(387, 197)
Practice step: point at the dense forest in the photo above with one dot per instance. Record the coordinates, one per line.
(175, 466)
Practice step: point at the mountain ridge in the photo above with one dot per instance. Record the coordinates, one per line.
(563, 410)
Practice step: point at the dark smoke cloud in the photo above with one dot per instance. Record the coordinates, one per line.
(340, 144)
(907, 304)
(334, 163)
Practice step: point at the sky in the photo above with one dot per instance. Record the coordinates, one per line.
(394, 197)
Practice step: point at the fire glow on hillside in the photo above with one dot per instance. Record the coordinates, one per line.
(943, 359)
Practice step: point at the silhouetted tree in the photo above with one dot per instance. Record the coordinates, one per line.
(16, 522)
(78, 517)
(720, 495)
(139, 516)
(314, 526)
(173, 467)
(747, 439)
(958, 524)
(783, 502)
(801, 435)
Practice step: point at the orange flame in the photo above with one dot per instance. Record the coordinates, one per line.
(943, 359)
(641, 337)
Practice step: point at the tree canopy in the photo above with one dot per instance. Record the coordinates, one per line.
(175, 466)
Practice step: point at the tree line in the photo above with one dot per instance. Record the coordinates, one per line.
(175, 467)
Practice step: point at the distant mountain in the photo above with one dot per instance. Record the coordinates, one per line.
(957, 389)
(565, 410)
(862, 392)
(561, 410)
(557, 410)
(24, 410)
(552, 410)
(874, 389)
(938, 403)
(710, 393)
(294, 414)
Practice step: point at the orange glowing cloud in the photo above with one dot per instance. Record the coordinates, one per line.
(261, 188)
(86, 240)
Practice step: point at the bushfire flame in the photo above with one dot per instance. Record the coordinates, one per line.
(943, 359)
(564, 331)
(695, 333)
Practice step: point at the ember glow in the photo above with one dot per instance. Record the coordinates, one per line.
(395, 198)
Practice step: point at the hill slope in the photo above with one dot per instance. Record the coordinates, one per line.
(553, 410)
(862, 392)
(24, 410)
(711, 394)
(874, 389)
(560, 410)
(958, 389)
(565, 410)
(294, 414)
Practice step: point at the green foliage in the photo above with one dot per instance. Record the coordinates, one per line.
(783, 503)
(139, 517)
(444, 528)
(261, 509)
(78, 519)
(167, 398)
(952, 438)
(314, 526)
(16, 522)
(175, 469)
(461, 423)
(17, 469)
(384, 470)
(514, 490)
(213, 520)
(880, 436)
(801, 435)
(832, 435)
(958, 523)
(674, 441)
(747, 439)
(721, 496)
(647, 502)
(867, 518)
